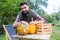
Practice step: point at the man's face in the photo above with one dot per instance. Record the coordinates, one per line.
(24, 8)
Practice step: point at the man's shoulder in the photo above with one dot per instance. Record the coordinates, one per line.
(32, 10)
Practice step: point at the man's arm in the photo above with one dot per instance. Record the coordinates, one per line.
(38, 17)
(16, 21)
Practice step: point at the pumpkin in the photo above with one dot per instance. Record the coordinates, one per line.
(32, 28)
(22, 28)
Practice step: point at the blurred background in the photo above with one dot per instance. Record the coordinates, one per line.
(48, 9)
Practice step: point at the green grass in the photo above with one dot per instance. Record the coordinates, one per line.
(56, 33)
(55, 36)
(56, 28)
(2, 37)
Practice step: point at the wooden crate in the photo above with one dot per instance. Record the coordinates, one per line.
(44, 28)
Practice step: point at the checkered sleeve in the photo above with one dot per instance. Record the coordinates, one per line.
(40, 18)
(16, 21)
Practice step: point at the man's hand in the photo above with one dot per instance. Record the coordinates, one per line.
(15, 25)
(35, 22)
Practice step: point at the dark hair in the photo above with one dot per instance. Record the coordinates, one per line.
(22, 3)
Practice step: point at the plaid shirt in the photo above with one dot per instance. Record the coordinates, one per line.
(18, 19)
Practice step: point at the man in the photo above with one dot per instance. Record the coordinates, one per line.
(26, 14)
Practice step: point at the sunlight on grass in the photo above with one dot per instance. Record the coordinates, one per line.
(2, 37)
(56, 33)
(56, 28)
(55, 36)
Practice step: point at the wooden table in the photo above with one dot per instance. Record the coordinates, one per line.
(33, 37)
(11, 35)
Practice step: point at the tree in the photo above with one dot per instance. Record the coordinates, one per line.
(58, 16)
(49, 18)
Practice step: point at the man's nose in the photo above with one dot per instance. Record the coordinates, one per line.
(23, 9)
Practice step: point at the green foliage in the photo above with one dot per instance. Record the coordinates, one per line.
(56, 20)
(8, 11)
(58, 16)
(53, 18)
(49, 18)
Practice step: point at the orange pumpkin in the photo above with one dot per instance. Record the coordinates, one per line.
(32, 28)
(23, 28)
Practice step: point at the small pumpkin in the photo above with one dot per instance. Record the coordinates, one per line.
(32, 28)
(23, 28)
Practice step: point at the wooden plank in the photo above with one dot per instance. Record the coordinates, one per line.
(6, 33)
(34, 36)
(6, 36)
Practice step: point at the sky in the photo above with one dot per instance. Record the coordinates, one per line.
(53, 6)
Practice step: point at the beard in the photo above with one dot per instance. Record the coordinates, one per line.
(24, 13)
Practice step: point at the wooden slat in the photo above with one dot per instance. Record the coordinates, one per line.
(34, 36)
(7, 37)
(6, 33)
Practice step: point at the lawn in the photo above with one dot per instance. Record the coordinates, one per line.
(56, 28)
(2, 37)
(55, 34)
